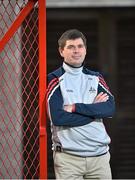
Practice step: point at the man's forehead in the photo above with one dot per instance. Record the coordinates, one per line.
(74, 41)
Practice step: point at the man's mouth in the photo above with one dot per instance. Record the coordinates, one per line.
(76, 57)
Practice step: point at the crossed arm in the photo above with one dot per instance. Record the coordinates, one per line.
(101, 97)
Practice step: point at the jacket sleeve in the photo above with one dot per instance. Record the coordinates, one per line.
(101, 109)
(57, 115)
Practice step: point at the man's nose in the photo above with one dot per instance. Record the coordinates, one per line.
(76, 49)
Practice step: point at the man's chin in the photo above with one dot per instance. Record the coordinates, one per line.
(76, 64)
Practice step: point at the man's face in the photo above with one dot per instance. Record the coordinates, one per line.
(74, 52)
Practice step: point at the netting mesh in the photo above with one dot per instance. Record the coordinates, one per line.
(19, 94)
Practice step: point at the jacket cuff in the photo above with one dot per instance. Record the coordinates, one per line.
(73, 107)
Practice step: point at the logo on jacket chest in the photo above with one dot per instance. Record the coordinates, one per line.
(92, 90)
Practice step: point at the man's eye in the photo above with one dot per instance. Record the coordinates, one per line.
(70, 47)
(74, 47)
(81, 46)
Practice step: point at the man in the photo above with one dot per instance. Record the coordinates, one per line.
(78, 99)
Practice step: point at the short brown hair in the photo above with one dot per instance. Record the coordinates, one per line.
(71, 34)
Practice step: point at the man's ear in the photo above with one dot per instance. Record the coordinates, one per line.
(61, 51)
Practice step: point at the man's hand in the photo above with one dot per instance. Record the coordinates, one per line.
(101, 97)
(68, 108)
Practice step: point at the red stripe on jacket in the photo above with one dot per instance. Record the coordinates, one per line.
(102, 81)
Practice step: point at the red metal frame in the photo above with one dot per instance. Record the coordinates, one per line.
(15, 25)
(42, 87)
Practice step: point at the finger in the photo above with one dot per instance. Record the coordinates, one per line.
(99, 95)
(65, 107)
(96, 98)
(68, 108)
(104, 99)
(103, 96)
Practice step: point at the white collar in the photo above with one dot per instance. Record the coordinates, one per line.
(72, 70)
